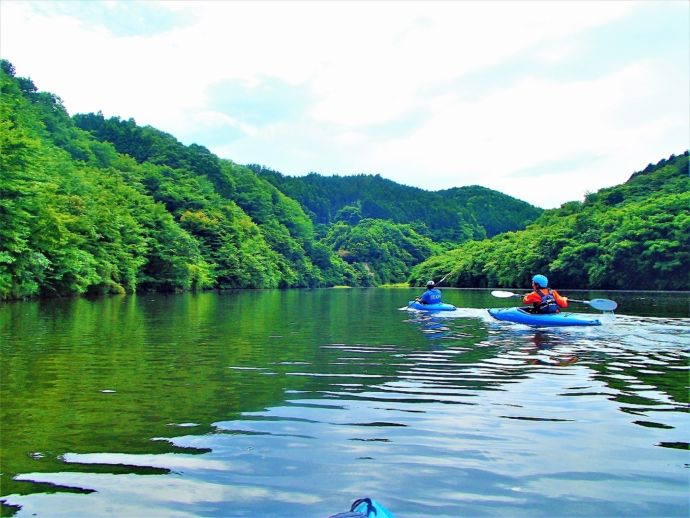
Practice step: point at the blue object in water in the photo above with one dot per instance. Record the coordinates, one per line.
(365, 508)
(520, 316)
(431, 307)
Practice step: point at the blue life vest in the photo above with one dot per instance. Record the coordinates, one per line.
(432, 296)
(548, 303)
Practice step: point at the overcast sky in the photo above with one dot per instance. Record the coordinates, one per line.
(544, 101)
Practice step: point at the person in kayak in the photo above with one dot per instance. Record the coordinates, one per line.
(543, 299)
(432, 295)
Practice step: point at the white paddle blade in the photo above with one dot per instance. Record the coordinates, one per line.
(603, 304)
(503, 294)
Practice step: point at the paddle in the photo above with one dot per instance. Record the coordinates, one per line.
(600, 304)
(436, 284)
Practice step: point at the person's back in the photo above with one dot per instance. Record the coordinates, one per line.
(543, 299)
(432, 295)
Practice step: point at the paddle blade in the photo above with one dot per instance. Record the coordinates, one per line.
(504, 294)
(603, 304)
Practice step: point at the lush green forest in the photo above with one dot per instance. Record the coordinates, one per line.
(452, 215)
(90, 205)
(632, 236)
(78, 215)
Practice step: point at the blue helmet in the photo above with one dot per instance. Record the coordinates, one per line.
(540, 280)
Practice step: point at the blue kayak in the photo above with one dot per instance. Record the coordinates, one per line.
(431, 307)
(520, 316)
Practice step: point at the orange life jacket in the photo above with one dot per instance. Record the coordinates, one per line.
(547, 303)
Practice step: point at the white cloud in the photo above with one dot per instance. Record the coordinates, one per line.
(432, 94)
(537, 121)
(215, 120)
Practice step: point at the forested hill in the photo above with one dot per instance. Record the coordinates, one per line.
(90, 205)
(496, 212)
(453, 215)
(632, 236)
(77, 216)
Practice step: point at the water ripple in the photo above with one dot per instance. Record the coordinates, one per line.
(275, 410)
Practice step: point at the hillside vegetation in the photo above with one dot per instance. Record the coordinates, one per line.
(632, 236)
(77, 215)
(452, 215)
(90, 205)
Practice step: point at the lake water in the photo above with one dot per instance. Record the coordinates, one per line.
(294, 403)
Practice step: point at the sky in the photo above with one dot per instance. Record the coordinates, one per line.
(544, 101)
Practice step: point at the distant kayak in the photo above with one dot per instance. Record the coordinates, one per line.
(431, 307)
(520, 316)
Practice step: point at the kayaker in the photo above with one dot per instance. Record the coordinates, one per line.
(543, 299)
(432, 295)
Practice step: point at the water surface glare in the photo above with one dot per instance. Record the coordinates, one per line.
(294, 403)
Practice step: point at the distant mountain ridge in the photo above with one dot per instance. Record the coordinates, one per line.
(457, 214)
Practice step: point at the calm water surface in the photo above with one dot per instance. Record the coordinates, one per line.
(294, 403)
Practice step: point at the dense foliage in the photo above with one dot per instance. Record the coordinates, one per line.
(632, 236)
(79, 216)
(90, 205)
(281, 251)
(383, 251)
(454, 215)
(494, 211)
(69, 227)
